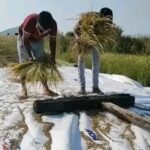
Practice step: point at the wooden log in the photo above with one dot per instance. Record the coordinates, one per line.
(127, 116)
(80, 103)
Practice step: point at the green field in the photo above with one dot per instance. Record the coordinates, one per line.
(133, 66)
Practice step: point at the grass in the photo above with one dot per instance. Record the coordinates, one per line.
(8, 50)
(134, 66)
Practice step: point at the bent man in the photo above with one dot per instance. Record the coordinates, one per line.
(30, 43)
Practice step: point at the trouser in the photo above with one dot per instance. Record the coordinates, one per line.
(37, 50)
(95, 69)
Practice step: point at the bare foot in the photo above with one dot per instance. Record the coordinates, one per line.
(22, 97)
(50, 93)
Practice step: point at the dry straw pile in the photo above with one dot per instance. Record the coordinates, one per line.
(37, 70)
(93, 31)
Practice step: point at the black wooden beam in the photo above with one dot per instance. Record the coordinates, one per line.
(81, 103)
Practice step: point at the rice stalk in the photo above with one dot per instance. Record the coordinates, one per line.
(93, 31)
(37, 71)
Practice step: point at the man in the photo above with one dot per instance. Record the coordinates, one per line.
(30, 43)
(104, 12)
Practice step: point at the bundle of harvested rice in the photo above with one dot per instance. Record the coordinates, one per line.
(37, 70)
(93, 31)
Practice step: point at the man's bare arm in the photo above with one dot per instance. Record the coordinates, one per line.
(26, 42)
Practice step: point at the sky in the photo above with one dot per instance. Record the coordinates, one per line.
(131, 15)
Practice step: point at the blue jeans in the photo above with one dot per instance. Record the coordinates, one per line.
(95, 69)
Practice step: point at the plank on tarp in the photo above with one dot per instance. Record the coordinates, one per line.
(81, 103)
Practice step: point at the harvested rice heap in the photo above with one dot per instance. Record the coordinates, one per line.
(37, 70)
(93, 31)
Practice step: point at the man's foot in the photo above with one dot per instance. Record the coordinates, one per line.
(82, 92)
(98, 91)
(50, 93)
(22, 97)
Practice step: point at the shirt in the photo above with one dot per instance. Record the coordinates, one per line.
(29, 26)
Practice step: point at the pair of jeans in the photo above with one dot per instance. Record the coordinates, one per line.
(95, 69)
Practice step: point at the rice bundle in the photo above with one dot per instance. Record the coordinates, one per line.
(93, 31)
(37, 70)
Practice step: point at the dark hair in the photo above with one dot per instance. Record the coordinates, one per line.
(106, 12)
(45, 19)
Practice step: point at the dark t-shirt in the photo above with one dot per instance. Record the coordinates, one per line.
(29, 26)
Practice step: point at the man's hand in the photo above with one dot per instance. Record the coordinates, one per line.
(30, 59)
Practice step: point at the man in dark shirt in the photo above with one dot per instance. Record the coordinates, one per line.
(30, 43)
